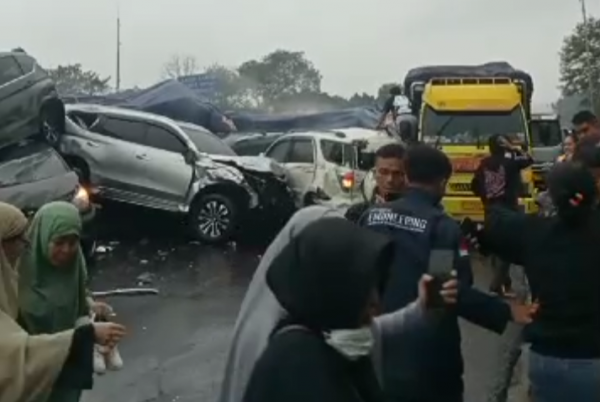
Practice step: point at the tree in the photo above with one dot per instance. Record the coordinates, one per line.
(233, 91)
(384, 91)
(363, 99)
(279, 74)
(579, 67)
(180, 66)
(71, 79)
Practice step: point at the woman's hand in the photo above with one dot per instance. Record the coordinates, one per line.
(449, 291)
(101, 309)
(108, 333)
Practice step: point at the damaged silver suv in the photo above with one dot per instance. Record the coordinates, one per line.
(155, 162)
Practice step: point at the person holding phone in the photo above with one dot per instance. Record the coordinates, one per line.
(427, 240)
(389, 179)
(560, 257)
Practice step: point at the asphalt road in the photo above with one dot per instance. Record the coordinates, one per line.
(177, 341)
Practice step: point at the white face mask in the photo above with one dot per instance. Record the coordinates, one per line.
(351, 343)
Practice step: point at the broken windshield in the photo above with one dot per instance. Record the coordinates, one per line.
(471, 128)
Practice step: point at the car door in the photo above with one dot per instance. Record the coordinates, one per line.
(168, 176)
(299, 161)
(111, 151)
(13, 109)
(337, 163)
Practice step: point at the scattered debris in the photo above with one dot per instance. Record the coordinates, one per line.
(145, 278)
(103, 249)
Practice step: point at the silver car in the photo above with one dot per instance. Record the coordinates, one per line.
(29, 103)
(155, 162)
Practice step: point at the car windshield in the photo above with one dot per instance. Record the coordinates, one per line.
(546, 133)
(28, 163)
(207, 142)
(462, 128)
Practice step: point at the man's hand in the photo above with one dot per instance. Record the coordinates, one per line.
(523, 313)
(102, 309)
(449, 290)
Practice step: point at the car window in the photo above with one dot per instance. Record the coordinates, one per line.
(9, 69)
(302, 152)
(340, 153)
(26, 62)
(280, 151)
(158, 137)
(125, 130)
(207, 142)
(29, 162)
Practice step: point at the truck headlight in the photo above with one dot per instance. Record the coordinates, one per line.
(81, 199)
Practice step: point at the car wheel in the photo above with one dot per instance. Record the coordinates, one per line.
(214, 218)
(52, 122)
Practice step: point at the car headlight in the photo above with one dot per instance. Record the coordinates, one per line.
(81, 199)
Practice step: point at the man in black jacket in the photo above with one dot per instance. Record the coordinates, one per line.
(390, 180)
(427, 366)
(497, 180)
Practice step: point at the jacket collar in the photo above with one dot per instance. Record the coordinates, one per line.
(422, 196)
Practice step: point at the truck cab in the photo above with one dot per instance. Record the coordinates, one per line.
(458, 109)
(547, 138)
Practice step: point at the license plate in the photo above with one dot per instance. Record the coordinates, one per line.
(471, 206)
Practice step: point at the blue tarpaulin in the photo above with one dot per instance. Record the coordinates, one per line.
(169, 98)
(365, 117)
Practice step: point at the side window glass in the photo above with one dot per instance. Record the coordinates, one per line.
(339, 153)
(124, 130)
(158, 137)
(333, 151)
(302, 152)
(280, 151)
(9, 69)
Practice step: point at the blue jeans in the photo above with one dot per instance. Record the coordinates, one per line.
(564, 380)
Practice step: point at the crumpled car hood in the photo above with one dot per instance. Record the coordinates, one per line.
(252, 163)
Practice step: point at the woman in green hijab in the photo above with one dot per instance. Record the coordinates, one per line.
(52, 283)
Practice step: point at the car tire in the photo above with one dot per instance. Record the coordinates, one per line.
(213, 218)
(52, 121)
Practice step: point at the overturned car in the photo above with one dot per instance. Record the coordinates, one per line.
(155, 162)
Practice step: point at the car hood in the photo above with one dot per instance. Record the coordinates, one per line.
(259, 164)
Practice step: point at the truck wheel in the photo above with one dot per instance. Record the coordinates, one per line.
(213, 218)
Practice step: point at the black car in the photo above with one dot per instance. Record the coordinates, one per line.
(32, 174)
(29, 102)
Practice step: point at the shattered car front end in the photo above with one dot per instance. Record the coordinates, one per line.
(268, 181)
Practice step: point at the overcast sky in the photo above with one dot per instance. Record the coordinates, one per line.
(356, 44)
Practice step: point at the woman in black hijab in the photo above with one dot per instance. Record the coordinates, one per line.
(329, 279)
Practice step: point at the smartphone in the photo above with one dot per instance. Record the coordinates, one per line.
(441, 264)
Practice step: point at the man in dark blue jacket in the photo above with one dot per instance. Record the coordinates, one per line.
(427, 366)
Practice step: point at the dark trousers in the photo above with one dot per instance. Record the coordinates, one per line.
(500, 275)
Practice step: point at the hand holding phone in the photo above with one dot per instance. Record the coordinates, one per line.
(441, 266)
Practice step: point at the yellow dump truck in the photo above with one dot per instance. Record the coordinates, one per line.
(459, 108)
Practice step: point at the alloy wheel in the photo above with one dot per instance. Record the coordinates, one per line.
(214, 219)
(49, 132)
